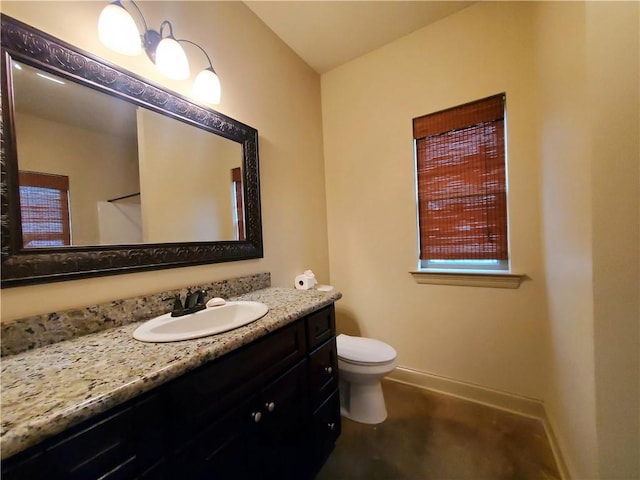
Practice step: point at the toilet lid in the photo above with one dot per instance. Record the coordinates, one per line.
(364, 350)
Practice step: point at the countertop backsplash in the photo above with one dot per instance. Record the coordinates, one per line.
(39, 330)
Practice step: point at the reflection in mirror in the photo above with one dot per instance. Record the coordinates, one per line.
(125, 211)
(132, 175)
(186, 182)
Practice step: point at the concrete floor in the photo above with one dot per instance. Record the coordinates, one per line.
(433, 436)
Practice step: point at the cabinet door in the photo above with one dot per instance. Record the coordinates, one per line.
(226, 449)
(284, 427)
(150, 432)
(326, 428)
(201, 396)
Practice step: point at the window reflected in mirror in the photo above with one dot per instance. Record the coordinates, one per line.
(44, 207)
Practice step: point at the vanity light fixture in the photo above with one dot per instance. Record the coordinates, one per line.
(206, 86)
(118, 31)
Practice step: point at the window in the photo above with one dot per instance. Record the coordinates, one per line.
(461, 187)
(238, 207)
(44, 209)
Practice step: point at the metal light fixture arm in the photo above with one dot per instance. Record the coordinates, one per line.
(201, 49)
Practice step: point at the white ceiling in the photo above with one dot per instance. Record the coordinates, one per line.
(326, 34)
(58, 100)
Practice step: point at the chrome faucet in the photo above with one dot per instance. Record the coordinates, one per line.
(194, 302)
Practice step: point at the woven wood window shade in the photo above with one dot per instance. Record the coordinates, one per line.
(462, 202)
(44, 209)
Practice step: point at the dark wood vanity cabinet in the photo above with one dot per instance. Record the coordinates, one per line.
(269, 410)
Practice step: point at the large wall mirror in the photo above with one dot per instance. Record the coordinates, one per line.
(105, 173)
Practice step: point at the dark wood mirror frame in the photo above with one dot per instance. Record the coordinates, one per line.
(22, 266)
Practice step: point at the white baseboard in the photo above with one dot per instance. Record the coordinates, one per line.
(521, 405)
(529, 407)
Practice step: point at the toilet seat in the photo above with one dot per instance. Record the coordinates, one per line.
(364, 351)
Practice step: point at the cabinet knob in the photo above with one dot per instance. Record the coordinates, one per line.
(271, 406)
(256, 416)
(331, 426)
(329, 370)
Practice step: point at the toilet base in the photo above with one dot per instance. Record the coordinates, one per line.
(363, 402)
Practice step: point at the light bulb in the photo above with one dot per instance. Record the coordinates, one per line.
(118, 31)
(206, 87)
(171, 60)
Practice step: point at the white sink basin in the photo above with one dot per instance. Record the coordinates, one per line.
(209, 321)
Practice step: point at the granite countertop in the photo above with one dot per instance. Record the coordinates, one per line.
(47, 390)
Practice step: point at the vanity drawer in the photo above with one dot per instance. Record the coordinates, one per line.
(198, 397)
(104, 449)
(321, 326)
(323, 366)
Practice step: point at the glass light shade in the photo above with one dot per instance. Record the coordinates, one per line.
(118, 31)
(171, 61)
(207, 87)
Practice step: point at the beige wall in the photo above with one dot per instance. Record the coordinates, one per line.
(588, 57)
(569, 335)
(567, 202)
(265, 85)
(491, 337)
(120, 222)
(100, 166)
(185, 180)
(613, 40)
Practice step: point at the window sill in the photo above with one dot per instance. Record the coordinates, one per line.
(469, 279)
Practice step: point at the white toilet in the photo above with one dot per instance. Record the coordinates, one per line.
(362, 362)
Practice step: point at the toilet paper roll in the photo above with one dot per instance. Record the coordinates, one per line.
(304, 282)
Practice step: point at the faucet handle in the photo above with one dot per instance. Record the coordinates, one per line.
(201, 297)
(177, 306)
